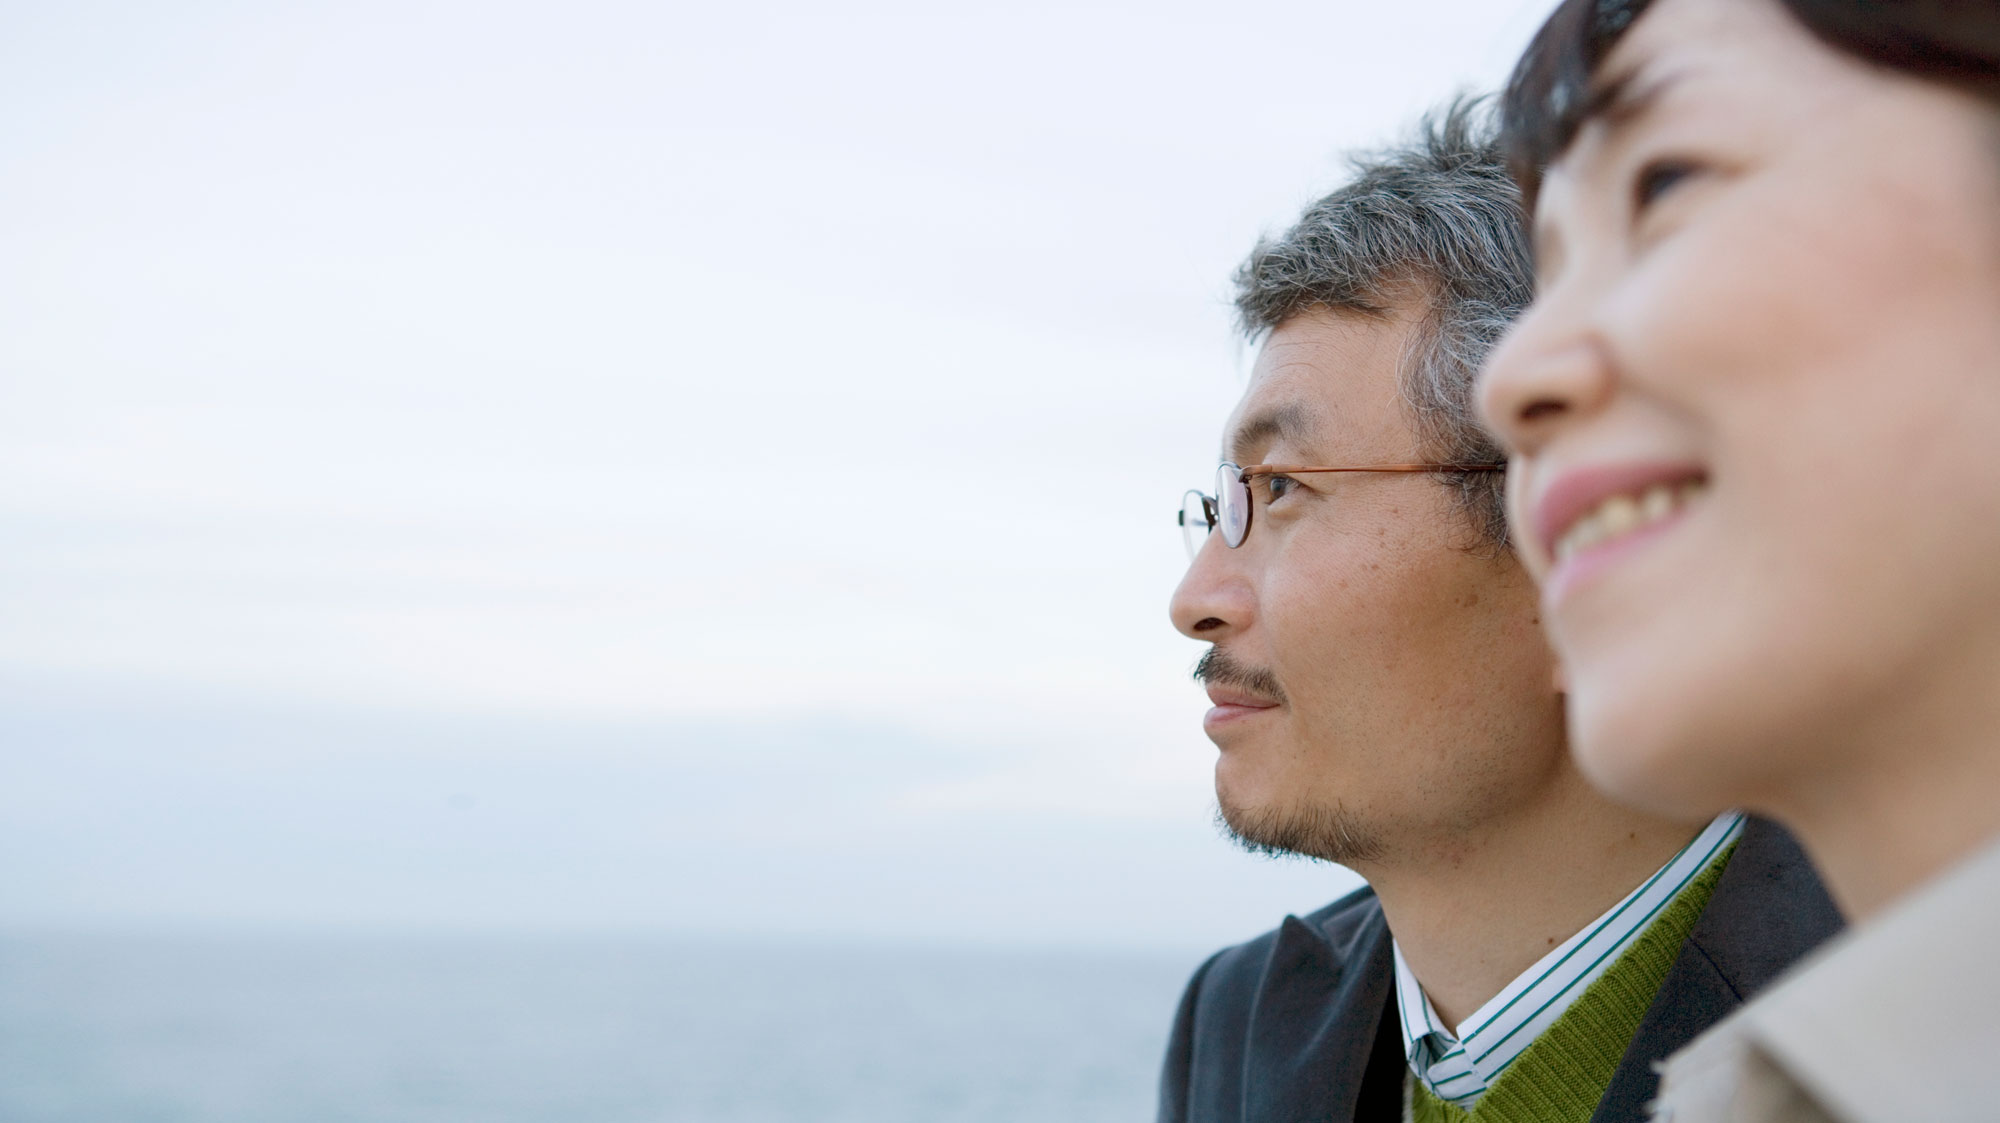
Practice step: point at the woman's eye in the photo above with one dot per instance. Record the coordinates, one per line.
(1658, 178)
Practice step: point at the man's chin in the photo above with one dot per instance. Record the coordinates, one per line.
(1330, 834)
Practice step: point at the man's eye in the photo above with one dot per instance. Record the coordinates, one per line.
(1279, 486)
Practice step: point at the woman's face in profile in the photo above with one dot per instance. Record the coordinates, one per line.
(1756, 413)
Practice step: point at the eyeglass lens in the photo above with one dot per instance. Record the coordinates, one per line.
(1197, 519)
(1232, 505)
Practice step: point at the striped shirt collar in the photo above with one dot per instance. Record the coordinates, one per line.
(1459, 1068)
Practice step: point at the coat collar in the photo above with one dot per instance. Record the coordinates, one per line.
(1891, 1022)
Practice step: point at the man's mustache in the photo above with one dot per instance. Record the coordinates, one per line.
(1218, 667)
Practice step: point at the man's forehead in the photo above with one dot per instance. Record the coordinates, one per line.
(1318, 372)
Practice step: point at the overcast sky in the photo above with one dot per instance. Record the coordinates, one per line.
(613, 465)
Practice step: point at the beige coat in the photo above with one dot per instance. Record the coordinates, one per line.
(1894, 1022)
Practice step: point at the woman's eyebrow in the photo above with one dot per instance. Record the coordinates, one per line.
(1616, 105)
(1621, 101)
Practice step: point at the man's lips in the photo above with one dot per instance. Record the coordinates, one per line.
(1239, 690)
(1232, 705)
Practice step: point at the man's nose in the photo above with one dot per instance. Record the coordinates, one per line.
(1214, 599)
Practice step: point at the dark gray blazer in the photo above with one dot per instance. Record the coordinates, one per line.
(1299, 1024)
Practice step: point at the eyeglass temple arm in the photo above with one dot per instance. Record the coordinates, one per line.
(1300, 469)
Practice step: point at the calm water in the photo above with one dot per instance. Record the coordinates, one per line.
(291, 1030)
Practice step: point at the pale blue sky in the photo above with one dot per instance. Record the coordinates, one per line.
(607, 465)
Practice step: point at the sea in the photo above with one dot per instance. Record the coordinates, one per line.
(219, 1028)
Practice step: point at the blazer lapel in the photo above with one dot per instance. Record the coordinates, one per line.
(1768, 910)
(1316, 1017)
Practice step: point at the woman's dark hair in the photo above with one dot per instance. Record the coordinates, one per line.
(1548, 99)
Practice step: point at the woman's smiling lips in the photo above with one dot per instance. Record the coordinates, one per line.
(1588, 517)
(1233, 704)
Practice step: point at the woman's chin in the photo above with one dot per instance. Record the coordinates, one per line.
(1647, 765)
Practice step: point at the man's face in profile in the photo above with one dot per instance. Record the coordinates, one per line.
(1380, 684)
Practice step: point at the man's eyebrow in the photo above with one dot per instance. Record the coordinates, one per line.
(1259, 430)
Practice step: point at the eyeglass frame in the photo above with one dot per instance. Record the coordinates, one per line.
(1212, 508)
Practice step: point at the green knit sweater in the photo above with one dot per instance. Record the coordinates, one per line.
(1560, 1078)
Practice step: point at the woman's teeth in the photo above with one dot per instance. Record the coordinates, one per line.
(1623, 514)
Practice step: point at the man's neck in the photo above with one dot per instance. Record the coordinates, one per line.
(1472, 912)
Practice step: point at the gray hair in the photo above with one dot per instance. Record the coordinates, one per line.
(1437, 215)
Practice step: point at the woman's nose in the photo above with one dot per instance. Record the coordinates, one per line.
(1542, 377)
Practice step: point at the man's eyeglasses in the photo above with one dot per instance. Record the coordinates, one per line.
(1229, 508)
